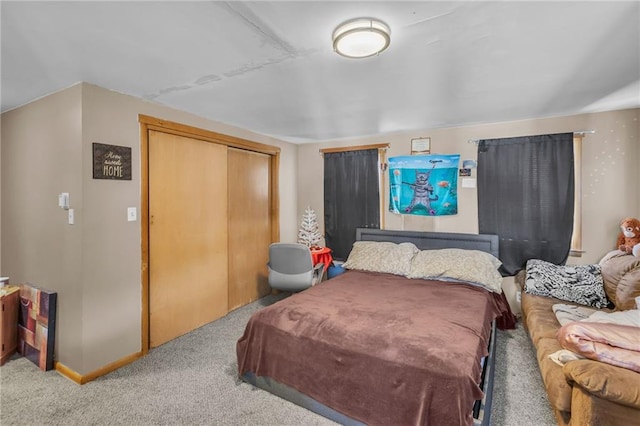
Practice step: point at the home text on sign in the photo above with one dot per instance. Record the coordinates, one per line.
(111, 162)
(112, 165)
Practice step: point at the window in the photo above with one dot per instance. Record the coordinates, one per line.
(526, 196)
(352, 194)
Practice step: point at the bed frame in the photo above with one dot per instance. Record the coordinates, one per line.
(424, 241)
(432, 240)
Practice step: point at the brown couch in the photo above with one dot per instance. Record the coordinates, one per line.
(586, 392)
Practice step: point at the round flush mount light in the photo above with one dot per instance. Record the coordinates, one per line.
(361, 38)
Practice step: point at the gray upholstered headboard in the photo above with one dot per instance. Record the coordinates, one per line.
(432, 240)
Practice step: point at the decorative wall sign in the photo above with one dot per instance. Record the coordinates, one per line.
(425, 185)
(111, 162)
(37, 325)
(420, 146)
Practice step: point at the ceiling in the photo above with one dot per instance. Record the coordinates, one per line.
(269, 67)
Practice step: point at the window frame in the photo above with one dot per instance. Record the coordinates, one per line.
(576, 236)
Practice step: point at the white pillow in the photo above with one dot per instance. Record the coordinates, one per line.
(375, 256)
(470, 266)
(630, 318)
(569, 313)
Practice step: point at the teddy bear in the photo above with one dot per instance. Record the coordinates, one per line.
(629, 238)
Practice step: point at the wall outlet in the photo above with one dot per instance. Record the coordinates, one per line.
(519, 296)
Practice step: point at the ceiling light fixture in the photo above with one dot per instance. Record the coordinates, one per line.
(361, 38)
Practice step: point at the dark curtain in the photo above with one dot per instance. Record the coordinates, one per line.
(525, 196)
(351, 197)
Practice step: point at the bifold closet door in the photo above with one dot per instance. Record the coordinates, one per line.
(188, 272)
(249, 225)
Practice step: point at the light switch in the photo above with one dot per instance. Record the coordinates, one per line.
(72, 218)
(132, 214)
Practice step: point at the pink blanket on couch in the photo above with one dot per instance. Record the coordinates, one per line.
(610, 343)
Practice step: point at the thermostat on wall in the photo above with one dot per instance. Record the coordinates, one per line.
(63, 200)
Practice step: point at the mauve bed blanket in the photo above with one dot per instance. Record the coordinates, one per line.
(379, 348)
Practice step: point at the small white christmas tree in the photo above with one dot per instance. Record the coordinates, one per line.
(308, 233)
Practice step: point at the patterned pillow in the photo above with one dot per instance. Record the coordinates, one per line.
(374, 256)
(580, 284)
(469, 266)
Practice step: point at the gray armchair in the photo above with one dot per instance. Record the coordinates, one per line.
(291, 267)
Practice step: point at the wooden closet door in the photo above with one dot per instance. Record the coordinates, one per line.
(187, 235)
(249, 226)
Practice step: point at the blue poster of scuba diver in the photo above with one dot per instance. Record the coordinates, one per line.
(425, 185)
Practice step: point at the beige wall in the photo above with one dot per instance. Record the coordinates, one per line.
(94, 265)
(610, 174)
(42, 157)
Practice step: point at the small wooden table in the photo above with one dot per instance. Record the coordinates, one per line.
(9, 302)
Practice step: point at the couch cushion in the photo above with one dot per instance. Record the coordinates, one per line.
(605, 381)
(621, 275)
(542, 325)
(589, 410)
(555, 383)
(538, 316)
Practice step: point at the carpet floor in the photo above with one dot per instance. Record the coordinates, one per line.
(192, 380)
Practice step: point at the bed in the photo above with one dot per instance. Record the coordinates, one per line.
(379, 348)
